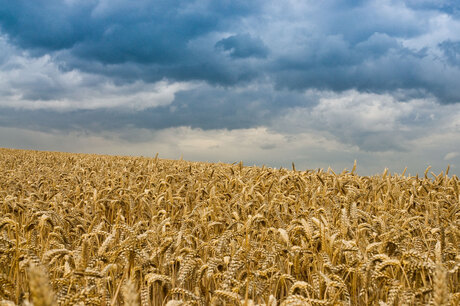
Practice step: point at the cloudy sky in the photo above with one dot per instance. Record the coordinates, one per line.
(320, 83)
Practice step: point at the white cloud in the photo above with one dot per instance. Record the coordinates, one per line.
(39, 83)
(354, 113)
(354, 110)
(451, 155)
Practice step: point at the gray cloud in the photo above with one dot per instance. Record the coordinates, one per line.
(243, 46)
(371, 123)
(451, 50)
(308, 146)
(451, 7)
(202, 106)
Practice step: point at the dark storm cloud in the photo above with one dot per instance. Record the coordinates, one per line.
(325, 45)
(378, 65)
(117, 31)
(148, 40)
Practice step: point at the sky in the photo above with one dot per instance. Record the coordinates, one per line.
(317, 83)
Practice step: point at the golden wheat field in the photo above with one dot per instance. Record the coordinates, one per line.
(105, 230)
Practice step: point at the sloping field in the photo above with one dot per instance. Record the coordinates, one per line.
(101, 230)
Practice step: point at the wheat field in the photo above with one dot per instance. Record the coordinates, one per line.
(80, 229)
